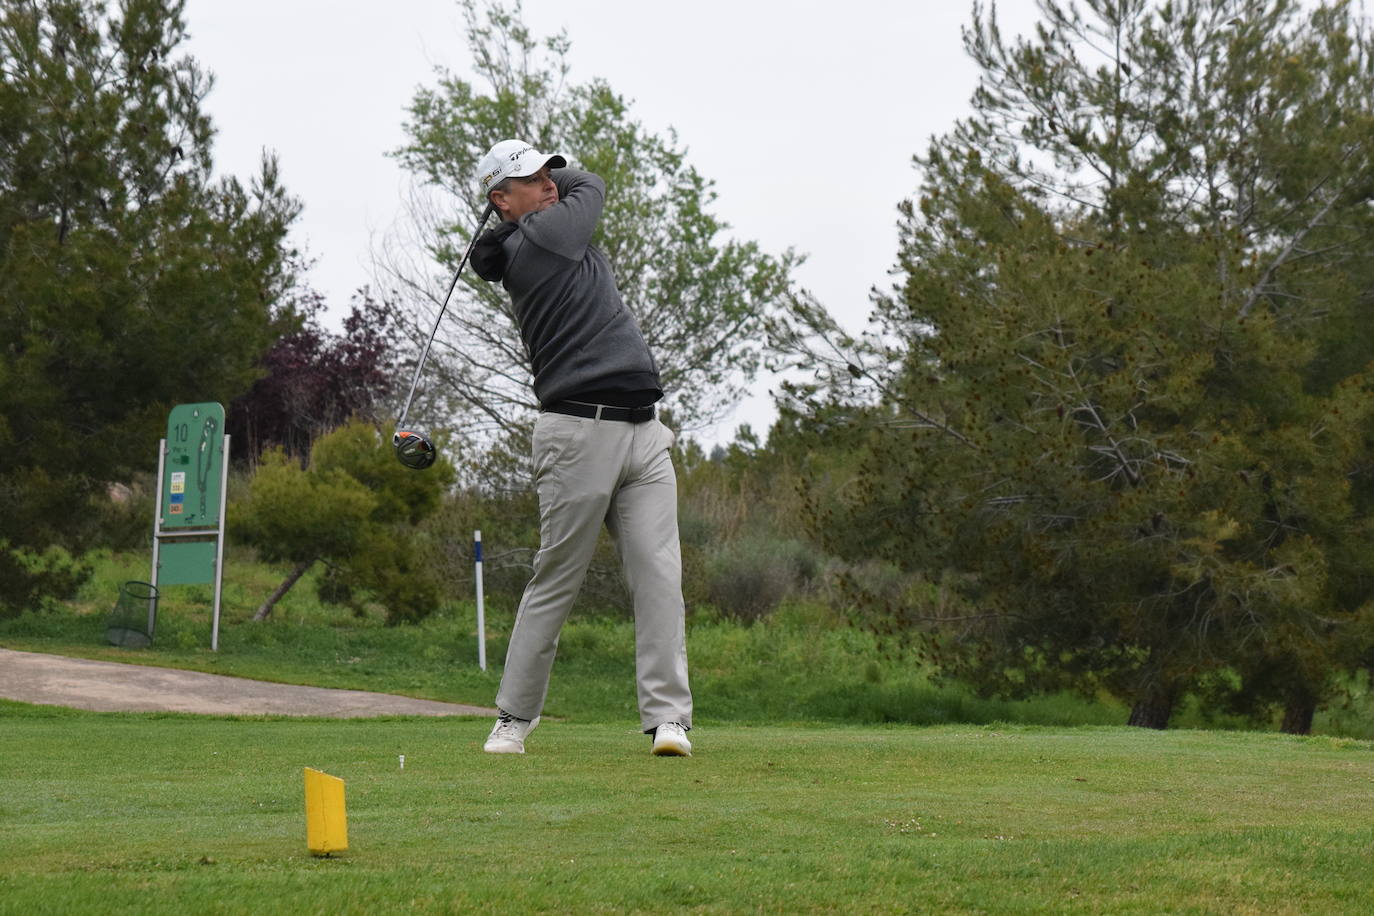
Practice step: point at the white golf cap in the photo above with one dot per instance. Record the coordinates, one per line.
(513, 159)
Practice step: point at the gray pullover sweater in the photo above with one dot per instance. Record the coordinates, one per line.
(578, 334)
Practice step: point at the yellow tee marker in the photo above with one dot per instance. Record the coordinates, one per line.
(326, 823)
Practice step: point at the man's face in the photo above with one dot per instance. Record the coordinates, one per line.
(529, 194)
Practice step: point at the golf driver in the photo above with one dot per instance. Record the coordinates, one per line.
(415, 449)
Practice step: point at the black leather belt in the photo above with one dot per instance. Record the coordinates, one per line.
(602, 411)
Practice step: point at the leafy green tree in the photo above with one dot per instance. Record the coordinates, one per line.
(1105, 401)
(129, 281)
(355, 508)
(700, 298)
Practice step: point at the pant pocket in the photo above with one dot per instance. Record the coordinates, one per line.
(553, 435)
(668, 434)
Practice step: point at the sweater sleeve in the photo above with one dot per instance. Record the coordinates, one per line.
(566, 228)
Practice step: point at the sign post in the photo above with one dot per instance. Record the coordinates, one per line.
(192, 487)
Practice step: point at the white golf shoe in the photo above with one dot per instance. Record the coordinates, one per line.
(670, 740)
(508, 735)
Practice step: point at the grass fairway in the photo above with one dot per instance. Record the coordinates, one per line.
(102, 813)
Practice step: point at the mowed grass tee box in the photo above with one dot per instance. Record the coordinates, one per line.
(108, 812)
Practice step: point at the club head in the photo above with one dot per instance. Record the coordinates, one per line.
(414, 449)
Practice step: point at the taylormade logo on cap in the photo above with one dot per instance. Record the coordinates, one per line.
(513, 159)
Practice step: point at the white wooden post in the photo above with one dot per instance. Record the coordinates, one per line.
(481, 611)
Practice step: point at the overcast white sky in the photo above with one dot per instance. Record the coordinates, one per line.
(806, 114)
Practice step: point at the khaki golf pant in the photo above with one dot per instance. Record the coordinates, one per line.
(589, 472)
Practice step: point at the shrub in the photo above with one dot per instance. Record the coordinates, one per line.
(750, 576)
(36, 580)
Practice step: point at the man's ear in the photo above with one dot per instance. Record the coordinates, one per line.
(498, 200)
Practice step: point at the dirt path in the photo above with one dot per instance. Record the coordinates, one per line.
(55, 680)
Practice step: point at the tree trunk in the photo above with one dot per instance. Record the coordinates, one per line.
(282, 589)
(1153, 707)
(1297, 715)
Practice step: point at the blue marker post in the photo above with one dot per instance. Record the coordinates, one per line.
(481, 613)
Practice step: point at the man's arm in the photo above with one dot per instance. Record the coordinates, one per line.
(566, 228)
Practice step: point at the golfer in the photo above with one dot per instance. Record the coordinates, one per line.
(600, 454)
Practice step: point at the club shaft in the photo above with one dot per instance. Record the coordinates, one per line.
(424, 354)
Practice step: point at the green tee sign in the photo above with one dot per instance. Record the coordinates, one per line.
(195, 456)
(188, 531)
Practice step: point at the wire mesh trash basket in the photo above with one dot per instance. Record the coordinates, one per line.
(129, 623)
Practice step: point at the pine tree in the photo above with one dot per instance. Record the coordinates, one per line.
(129, 281)
(1122, 411)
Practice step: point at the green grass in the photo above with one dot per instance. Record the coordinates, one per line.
(797, 666)
(117, 813)
(788, 805)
